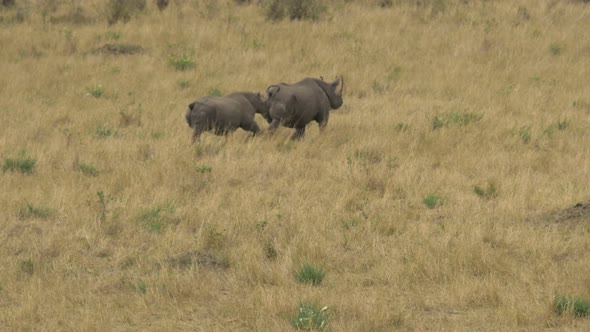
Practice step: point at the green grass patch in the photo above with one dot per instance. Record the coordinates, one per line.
(310, 317)
(525, 134)
(27, 266)
(215, 92)
(23, 163)
(566, 304)
(29, 211)
(402, 127)
(96, 91)
(432, 201)
(182, 62)
(88, 169)
(488, 192)
(455, 118)
(309, 274)
(103, 131)
(560, 125)
(555, 49)
(203, 169)
(155, 219)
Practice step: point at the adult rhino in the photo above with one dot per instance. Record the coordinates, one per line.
(296, 105)
(226, 114)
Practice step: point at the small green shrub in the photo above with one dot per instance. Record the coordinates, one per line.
(182, 62)
(29, 211)
(488, 192)
(103, 131)
(564, 304)
(154, 219)
(103, 204)
(525, 134)
(432, 201)
(555, 49)
(309, 274)
(558, 126)
(215, 92)
(309, 317)
(23, 164)
(27, 266)
(96, 91)
(203, 169)
(88, 169)
(562, 125)
(402, 127)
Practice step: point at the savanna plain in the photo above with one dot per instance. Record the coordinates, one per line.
(449, 192)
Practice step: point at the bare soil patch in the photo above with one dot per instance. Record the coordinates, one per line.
(577, 213)
(119, 49)
(202, 258)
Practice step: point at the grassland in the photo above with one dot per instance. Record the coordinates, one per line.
(442, 195)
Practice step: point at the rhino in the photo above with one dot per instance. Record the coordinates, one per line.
(225, 114)
(296, 105)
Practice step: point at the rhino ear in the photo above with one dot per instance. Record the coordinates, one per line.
(191, 105)
(271, 90)
(334, 84)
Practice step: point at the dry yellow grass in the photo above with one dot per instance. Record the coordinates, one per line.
(179, 235)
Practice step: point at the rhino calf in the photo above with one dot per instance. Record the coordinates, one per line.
(296, 105)
(225, 114)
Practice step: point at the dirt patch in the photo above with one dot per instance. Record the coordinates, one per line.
(119, 49)
(577, 213)
(205, 259)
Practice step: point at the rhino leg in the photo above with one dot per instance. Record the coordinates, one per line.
(299, 133)
(322, 120)
(196, 134)
(251, 126)
(274, 125)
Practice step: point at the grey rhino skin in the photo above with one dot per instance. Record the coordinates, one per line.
(296, 105)
(226, 114)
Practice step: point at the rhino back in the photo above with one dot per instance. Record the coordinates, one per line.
(228, 112)
(310, 97)
(296, 105)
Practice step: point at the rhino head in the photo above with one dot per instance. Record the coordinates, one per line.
(331, 90)
(262, 106)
